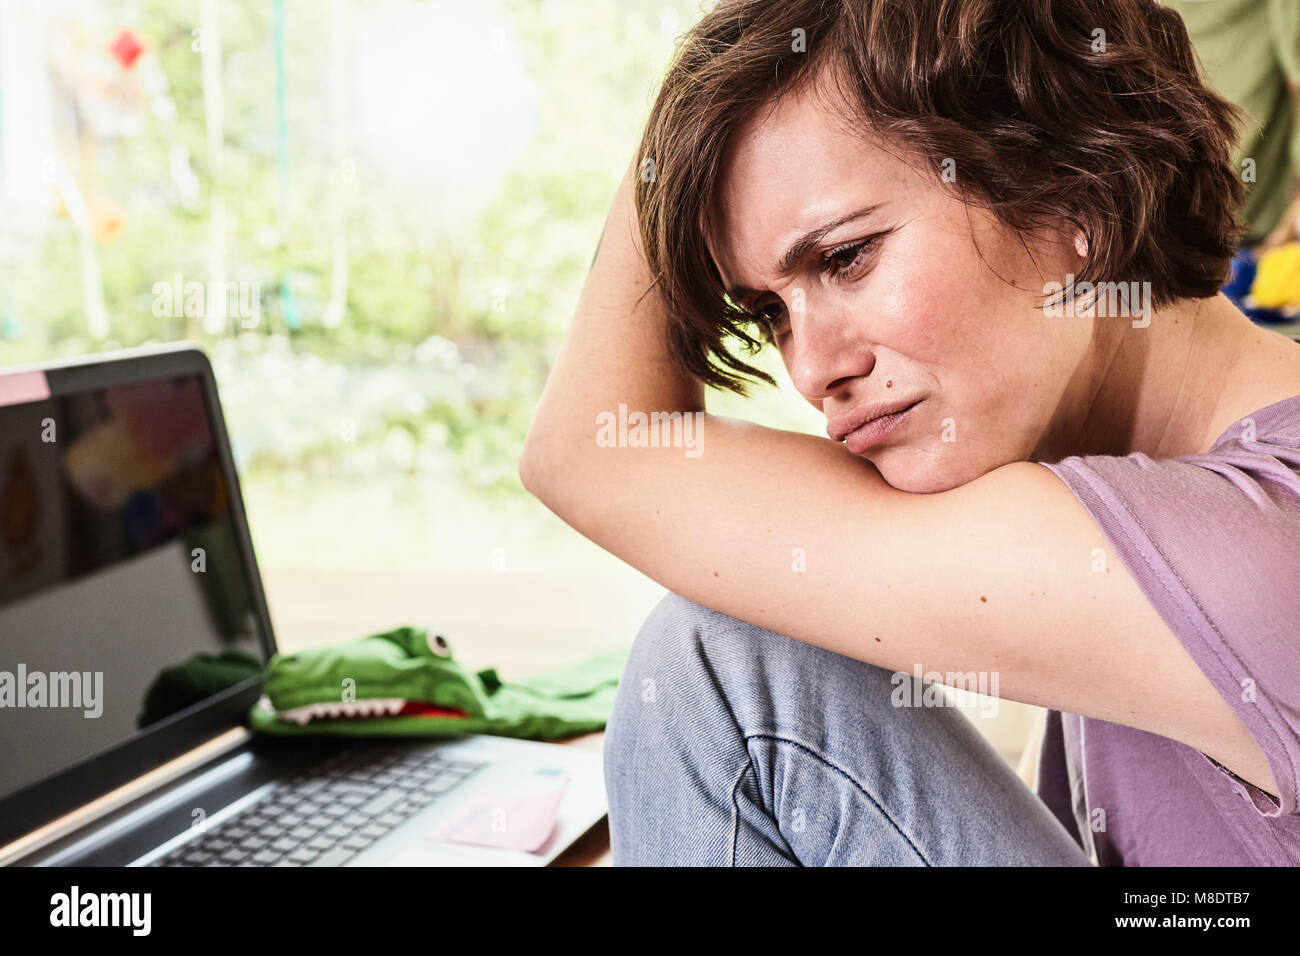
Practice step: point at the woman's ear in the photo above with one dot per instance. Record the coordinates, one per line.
(1081, 243)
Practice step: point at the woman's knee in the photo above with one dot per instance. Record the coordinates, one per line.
(698, 681)
(671, 706)
(671, 632)
(673, 753)
(663, 656)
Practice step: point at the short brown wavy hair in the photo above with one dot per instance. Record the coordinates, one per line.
(1050, 120)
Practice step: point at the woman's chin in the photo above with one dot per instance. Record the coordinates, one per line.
(910, 470)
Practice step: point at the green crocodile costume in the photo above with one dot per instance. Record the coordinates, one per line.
(405, 682)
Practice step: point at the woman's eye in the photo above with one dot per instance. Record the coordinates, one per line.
(773, 318)
(844, 259)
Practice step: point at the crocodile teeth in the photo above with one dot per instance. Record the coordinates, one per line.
(374, 707)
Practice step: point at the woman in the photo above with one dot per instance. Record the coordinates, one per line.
(1091, 496)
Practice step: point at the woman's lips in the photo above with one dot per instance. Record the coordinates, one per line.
(875, 431)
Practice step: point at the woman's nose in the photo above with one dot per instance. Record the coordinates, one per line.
(824, 354)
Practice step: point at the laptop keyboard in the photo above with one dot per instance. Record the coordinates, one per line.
(329, 815)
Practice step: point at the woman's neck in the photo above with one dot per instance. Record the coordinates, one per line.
(1173, 387)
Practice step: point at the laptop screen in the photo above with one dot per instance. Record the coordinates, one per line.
(124, 599)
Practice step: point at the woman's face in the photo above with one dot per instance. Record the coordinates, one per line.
(916, 300)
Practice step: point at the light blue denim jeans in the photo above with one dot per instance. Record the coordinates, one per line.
(730, 745)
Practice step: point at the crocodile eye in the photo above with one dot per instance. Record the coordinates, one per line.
(438, 644)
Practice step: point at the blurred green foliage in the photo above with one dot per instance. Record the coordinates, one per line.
(594, 64)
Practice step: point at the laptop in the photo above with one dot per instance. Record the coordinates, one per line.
(125, 556)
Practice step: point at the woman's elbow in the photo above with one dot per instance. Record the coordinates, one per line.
(557, 470)
(546, 466)
(535, 472)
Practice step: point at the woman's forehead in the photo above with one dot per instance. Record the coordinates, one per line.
(791, 170)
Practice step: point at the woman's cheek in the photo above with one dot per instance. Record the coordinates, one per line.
(930, 298)
(918, 320)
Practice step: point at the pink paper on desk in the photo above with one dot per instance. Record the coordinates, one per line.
(521, 818)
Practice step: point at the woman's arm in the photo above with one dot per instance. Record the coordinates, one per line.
(793, 533)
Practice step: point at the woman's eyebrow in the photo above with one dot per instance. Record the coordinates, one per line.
(800, 248)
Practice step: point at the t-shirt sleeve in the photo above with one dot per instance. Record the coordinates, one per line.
(1214, 542)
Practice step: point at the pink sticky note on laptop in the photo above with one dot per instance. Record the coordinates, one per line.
(520, 818)
(18, 388)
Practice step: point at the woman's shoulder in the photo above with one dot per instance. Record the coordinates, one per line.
(1276, 422)
(1256, 459)
(1201, 530)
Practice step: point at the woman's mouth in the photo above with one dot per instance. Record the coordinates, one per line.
(876, 429)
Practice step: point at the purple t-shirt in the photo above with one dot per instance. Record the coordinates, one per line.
(1214, 542)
